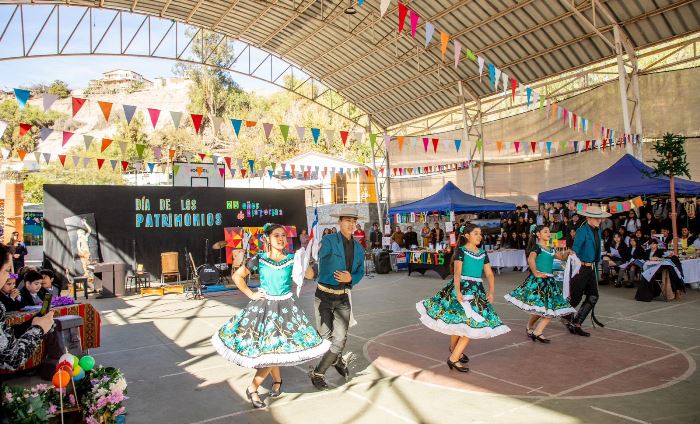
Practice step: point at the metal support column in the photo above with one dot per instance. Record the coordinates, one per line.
(629, 90)
(380, 149)
(472, 135)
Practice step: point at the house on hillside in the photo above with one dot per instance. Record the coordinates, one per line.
(119, 80)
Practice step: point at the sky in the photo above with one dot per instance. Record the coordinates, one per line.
(77, 71)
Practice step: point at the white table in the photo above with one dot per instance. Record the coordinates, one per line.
(691, 271)
(508, 258)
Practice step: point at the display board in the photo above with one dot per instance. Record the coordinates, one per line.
(143, 222)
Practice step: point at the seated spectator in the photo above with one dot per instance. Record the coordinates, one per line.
(649, 223)
(666, 240)
(654, 252)
(49, 283)
(618, 255)
(32, 292)
(18, 343)
(521, 226)
(569, 237)
(687, 239)
(641, 238)
(607, 239)
(524, 238)
(10, 296)
(637, 255)
(632, 223)
(398, 237)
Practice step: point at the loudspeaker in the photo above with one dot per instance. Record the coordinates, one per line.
(382, 262)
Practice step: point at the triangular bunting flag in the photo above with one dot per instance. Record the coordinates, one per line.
(62, 159)
(227, 159)
(425, 144)
(250, 124)
(176, 117)
(400, 139)
(176, 169)
(479, 144)
(66, 136)
(251, 165)
(300, 133)
(76, 160)
(122, 147)
(359, 136)
(383, 6)
(471, 55)
(344, 137)
(533, 144)
(3, 127)
(157, 153)
(268, 129)
(125, 165)
(222, 172)
(151, 166)
(492, 75)
(458, 52)
(513, 87)
(106, 108)
(429, 31)
(48, 100)
(154, 114)
(444, 39)
(517, 146)
(549, 147)
(105, 144)
(5, 152)
(87, 140)
(22, 153)
(435, 144)
(171, 154)
(76, 104)
(24, 129)
(129, 111)
(236, 123)
(47, 157)
(458, 143)
(22, 96)
(44, 133)
(37, 157)
(480, 60)
(330, 134)
(372, 140)
(315, 133)
(202, 156)
(196, 121)
(284, 129)
(499, 144)
(243, 171)
(139, 149)
(403, 10)
(113, 163)
(100, 162)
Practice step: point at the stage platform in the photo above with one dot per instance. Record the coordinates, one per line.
(640, 368)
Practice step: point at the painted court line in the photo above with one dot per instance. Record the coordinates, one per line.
(651, 322)
(615, 414)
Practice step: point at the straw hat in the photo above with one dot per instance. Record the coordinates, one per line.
(594, 211)
(348, 212)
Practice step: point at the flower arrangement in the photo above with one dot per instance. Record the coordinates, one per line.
(101, 393)
(57, 301)
(104, 391)
(35, 405)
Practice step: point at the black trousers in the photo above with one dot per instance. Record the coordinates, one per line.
(584, 284)
(332, 322)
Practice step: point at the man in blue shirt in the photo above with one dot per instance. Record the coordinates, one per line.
(588, 249)
(341, 266)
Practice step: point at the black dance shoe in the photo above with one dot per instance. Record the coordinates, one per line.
(581, 332)
(257, 404)
(275, 393)
(318, 380)
(456, 366)
(539, 338)
(463, 359)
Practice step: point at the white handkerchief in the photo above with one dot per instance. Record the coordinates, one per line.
(466, 304)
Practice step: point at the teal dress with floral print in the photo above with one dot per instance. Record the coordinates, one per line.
(273, 331)
(541, 295)
(475, 318)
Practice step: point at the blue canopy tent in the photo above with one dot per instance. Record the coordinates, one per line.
(625, 178)
(451, 198)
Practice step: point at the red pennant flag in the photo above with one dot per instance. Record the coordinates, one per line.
(367, 172)
(154, 114)
(533, 144)
(403, 10)
(171, 154)
(106, 108)
(62, 158)
(293, 166)
(21, 153)
(605, 142)
(23, 129)
(513, 87)
(344, 137)
(125, 164)
(66, 136)
(196, 121)
(222, 172)
(435, 144)
(425, 144)
(202, 155)
(105, 144)
(517, 146)
(77, 103)
(243, 172)
(100, 162)
(394, 169)
(588, 144)
(574, 116)
(228, 162)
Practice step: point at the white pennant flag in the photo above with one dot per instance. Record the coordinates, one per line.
(214, 159)
(387, 139)
(458, 52)
(176, 116)
(497, 78)
(359, 135)
(536, 101)
(138, 166)
(504, 77)
(37, 156)
(329, 137)
(429, 31)
(480, 60)
(48, 100)
(122, 147)
(3, 127)
(383, 6)
(5, 153)
(217, 124)
(300, 133)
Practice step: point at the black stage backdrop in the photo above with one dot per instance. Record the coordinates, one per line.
(152, 220)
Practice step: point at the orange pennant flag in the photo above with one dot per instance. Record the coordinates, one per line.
(400, 140)
(171, 154)
(499, 144)
(105, 144)
(554, 110)
(21, 153)
(199, 170)
(444, 39)
(249, 124)
(106, 108)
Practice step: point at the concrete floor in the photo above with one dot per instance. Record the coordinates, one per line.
(640, 368)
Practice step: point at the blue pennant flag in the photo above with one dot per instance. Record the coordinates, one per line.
(315, 132)
(458, 143)
(22, 97)
(549, 147)
(492, 75)
(236, 125)
(251, 165)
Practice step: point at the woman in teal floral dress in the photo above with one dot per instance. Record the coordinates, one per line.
(271, 331)
(462, 308)
(539, 294)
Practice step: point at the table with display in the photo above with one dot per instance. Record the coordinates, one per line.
(424, 260)
(508, 258)
(691, 270)
(89, 331)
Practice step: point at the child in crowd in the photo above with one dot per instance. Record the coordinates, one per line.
(10, 296)
(32, 292)
(48, 282)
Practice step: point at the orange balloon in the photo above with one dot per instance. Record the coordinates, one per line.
(61, 379)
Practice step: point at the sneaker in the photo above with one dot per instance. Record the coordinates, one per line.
(341, 365)
(318, 380)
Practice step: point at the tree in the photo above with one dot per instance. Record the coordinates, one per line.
(10, 113)
(671, 162)
(59, 88)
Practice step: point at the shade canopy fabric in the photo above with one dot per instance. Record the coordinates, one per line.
(626, 177)
(451, 198)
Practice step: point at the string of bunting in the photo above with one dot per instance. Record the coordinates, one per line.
(616, 207)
